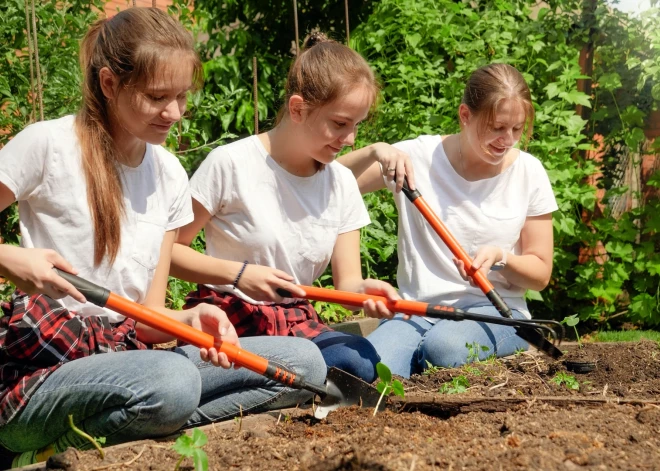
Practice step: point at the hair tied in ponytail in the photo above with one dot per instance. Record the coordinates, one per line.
(315, 38)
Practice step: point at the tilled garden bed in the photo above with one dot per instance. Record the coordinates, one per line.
(522, 413)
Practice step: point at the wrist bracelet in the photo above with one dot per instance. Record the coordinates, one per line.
(240, 273)
(502, 263)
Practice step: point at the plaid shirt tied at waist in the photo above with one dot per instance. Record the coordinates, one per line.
(298, 319)
(38, 335)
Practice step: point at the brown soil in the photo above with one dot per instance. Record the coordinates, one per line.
(512, 416)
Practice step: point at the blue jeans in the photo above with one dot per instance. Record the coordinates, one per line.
(141, 394)
(351, 353)
(406, 346)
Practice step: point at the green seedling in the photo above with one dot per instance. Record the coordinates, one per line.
(568, 380)
(572, 321)
(474, 350)
(97, 442)
(187, 447)
(472, 370)
(519, 351)
(386, 386)
(430, 369)
(457, 385)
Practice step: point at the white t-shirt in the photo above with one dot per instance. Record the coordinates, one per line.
(42, 167)
(485, 212)
(265, 215)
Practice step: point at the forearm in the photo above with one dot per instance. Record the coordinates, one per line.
(189, 265)
(527, 271)
(358, 161)
(148, 334)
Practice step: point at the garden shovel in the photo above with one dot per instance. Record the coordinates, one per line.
(340, 389)
(532, 336)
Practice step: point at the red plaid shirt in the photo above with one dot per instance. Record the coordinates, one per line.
(297, 319)
(38, 335)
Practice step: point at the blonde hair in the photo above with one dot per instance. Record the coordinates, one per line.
(324, 70)
(488, 86)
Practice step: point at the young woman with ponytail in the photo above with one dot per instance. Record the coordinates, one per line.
(494, 198)
(276, 210)
(98, 196)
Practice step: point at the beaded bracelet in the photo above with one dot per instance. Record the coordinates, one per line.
(240, 273)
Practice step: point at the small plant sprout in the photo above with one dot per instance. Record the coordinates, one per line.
(386, 386)
(187, 446)
(572, 321)
(457, 385)
(566, 379)
(430, 369)
(474, 350)
(97, 442)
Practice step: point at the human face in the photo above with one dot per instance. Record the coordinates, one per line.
(496, 140)
(331, 127)
(148, 113)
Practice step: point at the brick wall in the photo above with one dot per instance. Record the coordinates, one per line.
(114, 5)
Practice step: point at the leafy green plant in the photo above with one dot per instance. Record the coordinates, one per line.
(573, 321)
(386, 385)
(568, 380)
(457, 385)
(191, 447)
(474, 351)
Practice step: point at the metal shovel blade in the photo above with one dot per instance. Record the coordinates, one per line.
(344, 389)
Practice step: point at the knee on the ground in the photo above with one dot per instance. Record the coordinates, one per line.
(353, 354)
(445, 351)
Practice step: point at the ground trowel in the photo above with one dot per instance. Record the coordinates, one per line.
(340, 388)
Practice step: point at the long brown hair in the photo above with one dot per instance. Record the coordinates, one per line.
(134, 45)
(489, 85)
(323, 71)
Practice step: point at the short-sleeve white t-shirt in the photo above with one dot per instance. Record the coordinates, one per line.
(485, 212)
(42, 166)
(265, 215)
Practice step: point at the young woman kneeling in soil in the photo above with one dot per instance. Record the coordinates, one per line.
(277, 204)
(494, 198)
(98, 196)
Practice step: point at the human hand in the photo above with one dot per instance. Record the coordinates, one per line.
(380, 288)
(213, 320)
(261, 283)
(486, 257)
(31, 270)
(395, 164)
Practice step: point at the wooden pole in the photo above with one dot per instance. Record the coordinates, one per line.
(255, 94)
(348, 32)
(33, 96)
(36, 60)
(295, 22)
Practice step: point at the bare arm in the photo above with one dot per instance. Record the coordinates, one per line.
(347, 275)
(31, 270)
(376, 161)
(533, 267)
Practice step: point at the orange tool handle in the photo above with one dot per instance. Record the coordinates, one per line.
(139, 313)
(439, 227)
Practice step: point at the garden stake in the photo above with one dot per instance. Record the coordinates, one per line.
(340, 389)
(532, 336)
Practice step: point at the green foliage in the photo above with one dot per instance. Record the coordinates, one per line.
(474, 351)
(568, 380)
(626, 336)
(386, 385)
(430, 369)
(191, 447)
(457, 385)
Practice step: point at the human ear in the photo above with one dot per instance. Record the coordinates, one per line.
(464, 114)
(297, 108)
(109, 83)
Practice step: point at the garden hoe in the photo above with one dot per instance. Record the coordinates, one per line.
(533, 335)
(340, 389)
